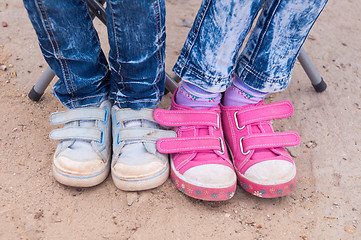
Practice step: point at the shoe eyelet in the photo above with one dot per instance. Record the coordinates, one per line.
(222, 146)
(236, 120)
(241, 145)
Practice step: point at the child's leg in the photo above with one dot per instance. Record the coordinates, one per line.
(200, 165)
(71, 47)
(137, 41)
(267, 60)
(263, 166)
(209, 54)
(136, 31)
(208, 59)
(137, 59)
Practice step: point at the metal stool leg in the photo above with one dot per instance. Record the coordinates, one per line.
(171, 83)
(39, 88)
(316, 80)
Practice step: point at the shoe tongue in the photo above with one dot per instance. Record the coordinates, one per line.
(88, 123)
(264, 153)
(139, 123)
(195, 131)
(83, 144)
(133, 123)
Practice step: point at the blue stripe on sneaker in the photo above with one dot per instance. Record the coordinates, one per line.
(81, 177)
(142, 179)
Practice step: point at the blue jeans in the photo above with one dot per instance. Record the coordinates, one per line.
(135, 75)
(212, 52)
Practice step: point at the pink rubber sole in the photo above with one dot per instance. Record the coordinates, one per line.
(202, 193)
(266, 191)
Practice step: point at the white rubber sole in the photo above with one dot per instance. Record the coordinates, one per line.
(80, 180)
(139, 184)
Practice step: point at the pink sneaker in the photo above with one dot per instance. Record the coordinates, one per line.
(200, 165)
(264, 168)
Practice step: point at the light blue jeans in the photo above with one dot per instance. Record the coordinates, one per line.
(212, 52)
(134, 77)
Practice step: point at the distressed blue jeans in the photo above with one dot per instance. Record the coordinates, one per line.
(213, 51)
(135, 75)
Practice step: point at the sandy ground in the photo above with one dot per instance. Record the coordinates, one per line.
(325, 205)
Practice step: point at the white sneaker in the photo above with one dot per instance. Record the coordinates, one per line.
(136, 163)
(82, 157)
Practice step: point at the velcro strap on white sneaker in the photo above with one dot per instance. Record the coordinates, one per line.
(78, 114)
(123, 115)
(143, 134)
(81, 133)
(189, 144)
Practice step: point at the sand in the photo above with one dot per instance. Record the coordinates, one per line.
(326, 203)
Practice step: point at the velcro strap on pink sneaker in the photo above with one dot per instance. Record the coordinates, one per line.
(177, 145)
(261, 113)
(269, 140)
(178, 118)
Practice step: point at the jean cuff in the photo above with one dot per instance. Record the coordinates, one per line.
(204, 81)
(84, 102)
(258, 81)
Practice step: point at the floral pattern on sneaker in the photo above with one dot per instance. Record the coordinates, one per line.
(264, 168)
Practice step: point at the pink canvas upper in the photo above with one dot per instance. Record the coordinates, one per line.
(200, 136)
(250, 135)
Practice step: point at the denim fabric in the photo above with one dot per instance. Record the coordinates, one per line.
(212, 51)
(136, 30)
(71, 47)
(211, 54)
